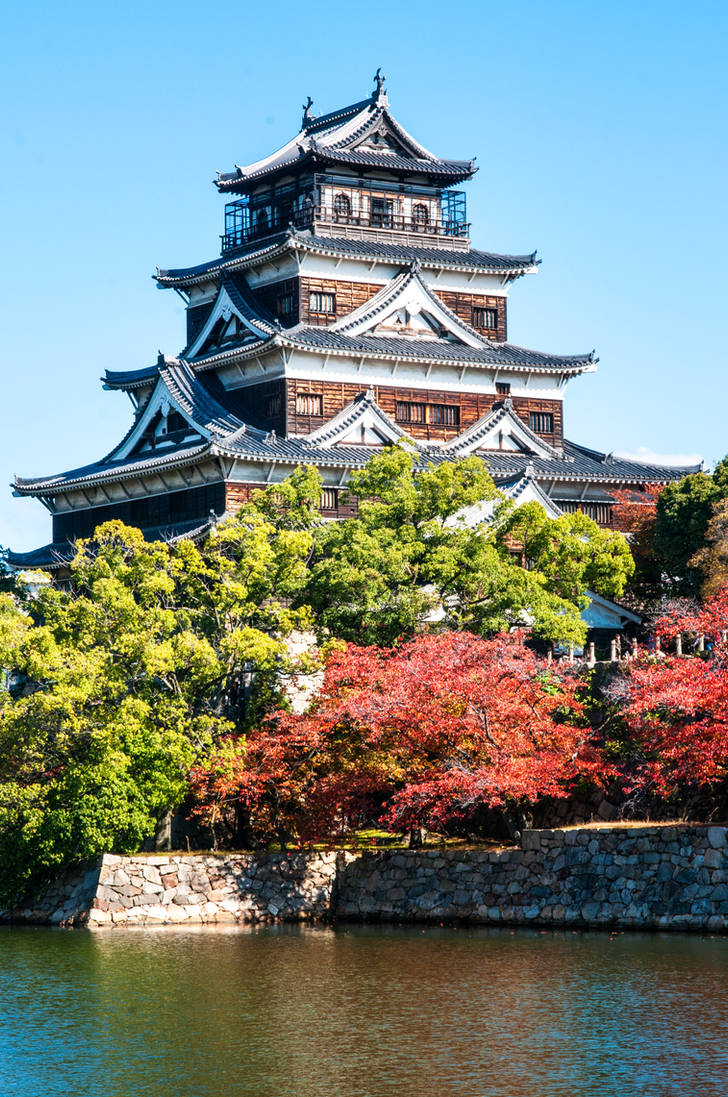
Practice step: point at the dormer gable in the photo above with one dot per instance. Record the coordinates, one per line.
(498, 430)
(229, 321)
(360, 423)
(406, 306)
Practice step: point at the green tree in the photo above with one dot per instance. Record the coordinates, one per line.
(407, 559)
(571, 552)
(684, 509)
(122, 680)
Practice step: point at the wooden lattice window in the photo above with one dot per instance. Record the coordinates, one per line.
(342, 207)
(485, 318)
(443, 415)
(273, 405)
(420, 216)
(438, 415)
(542, 422)
(309, 403)
(322, 302)
(503, 388)
(285, 304)
(329, 499)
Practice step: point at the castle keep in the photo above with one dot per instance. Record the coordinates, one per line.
(346, 311)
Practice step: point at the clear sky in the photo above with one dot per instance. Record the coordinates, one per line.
(600, 132)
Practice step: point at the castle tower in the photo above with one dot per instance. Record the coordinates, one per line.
(346, 310)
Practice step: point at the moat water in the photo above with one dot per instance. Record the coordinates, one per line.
(361, 1012)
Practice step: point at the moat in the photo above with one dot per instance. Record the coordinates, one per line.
(362, 1012)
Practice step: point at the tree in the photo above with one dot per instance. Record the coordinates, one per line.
(636, 514)
(571, 552)
(407, 560)
(127, 676)
(677, 707)
(427, 734)
(712, 558)
(684, 510)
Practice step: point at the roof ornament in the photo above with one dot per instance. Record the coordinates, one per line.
(529, 472)
(508, 403)
(379, 94)
(161, 360)
(307, 116)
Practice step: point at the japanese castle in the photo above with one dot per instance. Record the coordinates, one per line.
(347, 311)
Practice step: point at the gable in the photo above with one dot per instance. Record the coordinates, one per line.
(162, 424)
(499, 430)
(225, 324)
(407, 307)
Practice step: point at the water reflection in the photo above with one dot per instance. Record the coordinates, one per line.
(362, 1012)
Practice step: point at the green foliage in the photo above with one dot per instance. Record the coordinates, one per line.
(572, 552)
(380, 576)
(128, 676)
(684, 510)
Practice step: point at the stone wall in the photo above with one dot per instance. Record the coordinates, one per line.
(193, 888)
(666, 877)
(641, 877)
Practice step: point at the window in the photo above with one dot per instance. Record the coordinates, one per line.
(309, 403)
(438, 415)
(410, 413)
(329, 499)
(382, 212)
(342, 207)
(485, 318)
(322, 302)
(541, 421)
(503, 388)
(273, 405)
(601, 513)
(444, 415)
(420, 216)
(286, 304)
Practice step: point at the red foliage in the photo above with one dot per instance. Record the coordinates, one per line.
(421, 735)
(678, 706)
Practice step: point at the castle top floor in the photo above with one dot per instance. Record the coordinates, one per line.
(354, 172)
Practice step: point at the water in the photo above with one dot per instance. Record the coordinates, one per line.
(361, 1012)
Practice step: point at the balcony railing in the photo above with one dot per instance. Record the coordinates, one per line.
(386, 220)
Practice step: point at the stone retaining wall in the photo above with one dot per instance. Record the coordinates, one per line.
(672, 877)
(655, 877)
(193, 888)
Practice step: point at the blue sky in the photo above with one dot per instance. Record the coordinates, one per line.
(599, 130)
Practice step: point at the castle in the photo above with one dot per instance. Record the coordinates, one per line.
(347, 311)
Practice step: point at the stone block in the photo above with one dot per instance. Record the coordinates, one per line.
(717, 837)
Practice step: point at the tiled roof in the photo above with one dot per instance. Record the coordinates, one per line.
(581, 465)
(59, 554)
(129, 378)
(337, 138)
(342, 247)
(451, 171)
(436, 350)
(138, 465)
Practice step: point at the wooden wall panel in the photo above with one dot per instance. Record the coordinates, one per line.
(347, 296)
(237, 493)
(196, 318)
(462, 304)
(336, 395)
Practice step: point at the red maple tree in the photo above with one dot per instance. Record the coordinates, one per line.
(422, 735)
(677, 711)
